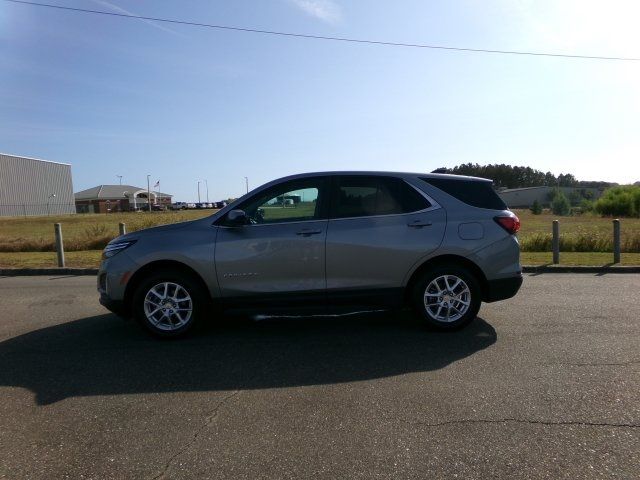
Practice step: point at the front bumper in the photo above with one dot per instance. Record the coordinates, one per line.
(502, 288)
(115, 306)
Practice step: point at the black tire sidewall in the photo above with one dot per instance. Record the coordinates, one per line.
(190, 284)
(427, 277)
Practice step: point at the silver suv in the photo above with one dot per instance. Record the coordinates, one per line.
(334, 241)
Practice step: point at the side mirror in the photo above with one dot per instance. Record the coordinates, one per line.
(237, 218)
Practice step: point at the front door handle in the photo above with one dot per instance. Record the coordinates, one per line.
(305, 232)
(419, 224)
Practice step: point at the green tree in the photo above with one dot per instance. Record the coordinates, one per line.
(536, 208)
(560, 204)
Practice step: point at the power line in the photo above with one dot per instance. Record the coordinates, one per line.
(323, 37)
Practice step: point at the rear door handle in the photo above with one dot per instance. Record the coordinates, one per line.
(419, 224)
(305, 232)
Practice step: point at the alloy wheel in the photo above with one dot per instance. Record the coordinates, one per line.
(168, 306)
(447, 298)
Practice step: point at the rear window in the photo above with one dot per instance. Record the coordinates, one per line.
(475, 193)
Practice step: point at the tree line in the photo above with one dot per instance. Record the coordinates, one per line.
(509, 176)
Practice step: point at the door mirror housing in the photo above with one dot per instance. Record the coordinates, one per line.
(236, 218)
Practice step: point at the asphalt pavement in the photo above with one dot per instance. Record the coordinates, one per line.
(545, 385)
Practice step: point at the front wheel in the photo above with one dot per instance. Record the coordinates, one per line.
(169, 303)
(447, 298)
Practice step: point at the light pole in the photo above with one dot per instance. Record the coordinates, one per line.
(148, 193)
(53, 195)
(246, 182)
(206, 183)
(198, 191)
(119, 178)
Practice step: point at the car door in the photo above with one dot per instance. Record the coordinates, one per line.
(379, 227)
(281, 252)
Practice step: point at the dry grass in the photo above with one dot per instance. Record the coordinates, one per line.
(82, 231)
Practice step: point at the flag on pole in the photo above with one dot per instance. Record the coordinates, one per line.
(157, 184)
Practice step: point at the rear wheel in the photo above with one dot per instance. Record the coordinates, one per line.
(447, 297)
(169, 303)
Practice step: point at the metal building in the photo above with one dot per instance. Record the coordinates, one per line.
(524, 197)
(29, 186)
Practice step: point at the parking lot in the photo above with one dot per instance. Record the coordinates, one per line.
(545, 385)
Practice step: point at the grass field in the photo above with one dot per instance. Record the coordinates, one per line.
(580, 233)
(85, 259)
(30, 241)
(91, 259)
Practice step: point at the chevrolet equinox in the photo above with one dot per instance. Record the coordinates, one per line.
(334, 241)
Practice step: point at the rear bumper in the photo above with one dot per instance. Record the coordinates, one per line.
(502, 288)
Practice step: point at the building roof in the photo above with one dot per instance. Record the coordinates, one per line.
(525, 188)
(551, 187)
(22, 157)
(113, 192)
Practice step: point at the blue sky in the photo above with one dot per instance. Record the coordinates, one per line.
(130, 97)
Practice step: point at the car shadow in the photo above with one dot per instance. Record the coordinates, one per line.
(103, 355)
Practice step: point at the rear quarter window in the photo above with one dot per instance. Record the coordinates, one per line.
(472, 192)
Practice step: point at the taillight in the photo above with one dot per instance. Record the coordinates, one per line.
(510, 223)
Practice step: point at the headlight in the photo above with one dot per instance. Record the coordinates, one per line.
(113, 248)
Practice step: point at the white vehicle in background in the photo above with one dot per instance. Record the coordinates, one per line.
(191, 205)
(179, 206)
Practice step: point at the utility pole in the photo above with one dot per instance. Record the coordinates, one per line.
(246, 181)
(148, 193)
(207, 185)
(198, 191)
(119, 178)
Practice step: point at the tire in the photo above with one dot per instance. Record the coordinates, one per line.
(445, 308)
(186, 303)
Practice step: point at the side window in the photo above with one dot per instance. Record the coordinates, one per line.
(358, 196)
(411, 200)
(290, 202)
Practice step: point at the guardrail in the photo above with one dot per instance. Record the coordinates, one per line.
(555, 242)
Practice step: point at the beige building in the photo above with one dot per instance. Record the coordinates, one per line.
(524, 197)
(118, 198)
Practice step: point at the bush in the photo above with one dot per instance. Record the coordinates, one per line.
(586, 206)
(560, 204)
(620, 201)
(536, 208)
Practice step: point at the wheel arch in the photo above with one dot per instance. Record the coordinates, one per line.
(448, 259)
(156, 266)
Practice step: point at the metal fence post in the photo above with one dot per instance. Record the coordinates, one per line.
(59, 244)
(123, 228)
(616, 241)
(556, 242)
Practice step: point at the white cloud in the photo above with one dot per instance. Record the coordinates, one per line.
(325, 10)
